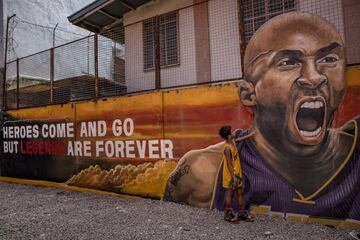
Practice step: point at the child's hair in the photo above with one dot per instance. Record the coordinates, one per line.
(225, 131)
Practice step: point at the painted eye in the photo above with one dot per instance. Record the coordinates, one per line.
(328, 59)
(288, 62)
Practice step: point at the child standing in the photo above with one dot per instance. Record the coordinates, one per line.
(232, 177)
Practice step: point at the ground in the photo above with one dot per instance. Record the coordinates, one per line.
(28, 212)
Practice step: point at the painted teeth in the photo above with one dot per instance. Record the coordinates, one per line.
(313, 104)
(310, 133)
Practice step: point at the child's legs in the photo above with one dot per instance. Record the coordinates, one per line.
(228, 199)
(240, 199)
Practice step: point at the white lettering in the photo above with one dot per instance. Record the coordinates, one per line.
(119, 148)
(153, 148)
(70, 130)
(166, 147)
(141, 145)
(102, 128)
(128, 127)
(99, 146)
(83, 130)
(117, 127)
(129, 148)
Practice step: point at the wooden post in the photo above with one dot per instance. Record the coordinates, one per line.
(157, 53)
(96, 62)
(52, 70)
(17, 83)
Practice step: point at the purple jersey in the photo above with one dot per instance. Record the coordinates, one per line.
(263, 186)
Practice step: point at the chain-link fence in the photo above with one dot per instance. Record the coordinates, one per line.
(198, 44)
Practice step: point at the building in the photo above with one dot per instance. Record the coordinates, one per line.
(201, 41)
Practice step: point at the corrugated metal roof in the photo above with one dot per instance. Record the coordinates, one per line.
(103, 14)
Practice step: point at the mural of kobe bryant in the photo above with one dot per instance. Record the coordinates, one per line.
(292, 157)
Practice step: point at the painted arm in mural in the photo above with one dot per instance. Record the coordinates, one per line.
(193, 180)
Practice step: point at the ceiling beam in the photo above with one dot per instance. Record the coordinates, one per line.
(126, 5)
(93, 11)
(98, 28)
(108, 15)
(107, 27)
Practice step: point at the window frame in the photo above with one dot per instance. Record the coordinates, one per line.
(162, 65)
(267, 15)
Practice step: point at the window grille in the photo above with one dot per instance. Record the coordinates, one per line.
(168, 40)
(257, 12)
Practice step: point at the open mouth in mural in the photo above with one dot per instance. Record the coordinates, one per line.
(310, 119)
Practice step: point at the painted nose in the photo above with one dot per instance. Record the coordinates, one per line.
(310, 77)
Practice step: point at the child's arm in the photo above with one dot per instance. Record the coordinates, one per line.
(245, 137)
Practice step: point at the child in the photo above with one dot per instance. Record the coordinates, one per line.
(232, 177)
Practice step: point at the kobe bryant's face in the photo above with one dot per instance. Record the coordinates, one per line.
(300, 82)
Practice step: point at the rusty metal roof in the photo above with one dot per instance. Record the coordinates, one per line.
(102, 15)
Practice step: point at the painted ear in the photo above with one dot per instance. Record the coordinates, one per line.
(247, 93)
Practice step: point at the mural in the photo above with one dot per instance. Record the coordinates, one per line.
(123, 144)
(296, 161)
(298, 111)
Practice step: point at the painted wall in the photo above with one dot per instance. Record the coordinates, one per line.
(183, 118)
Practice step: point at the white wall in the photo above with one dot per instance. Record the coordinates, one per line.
(137, 79)
(185, 73)
(224, 40)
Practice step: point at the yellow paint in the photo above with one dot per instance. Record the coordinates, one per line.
(260, 209)
(295, 218)
(266, 210)
(120, 107)
(277, 215)
(210, 96)
(146, 179)
(61, 186)
(323, 221)
(303, 201)
(350, 224)
(152, 182)
(353, 76)
(53, 112)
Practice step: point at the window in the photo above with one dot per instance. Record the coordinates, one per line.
(257, 12)
(168, 41)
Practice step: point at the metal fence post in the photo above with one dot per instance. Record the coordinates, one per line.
(96, 66)
(157, 53)
(52, 66)
(17, 83)
(241, 34)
